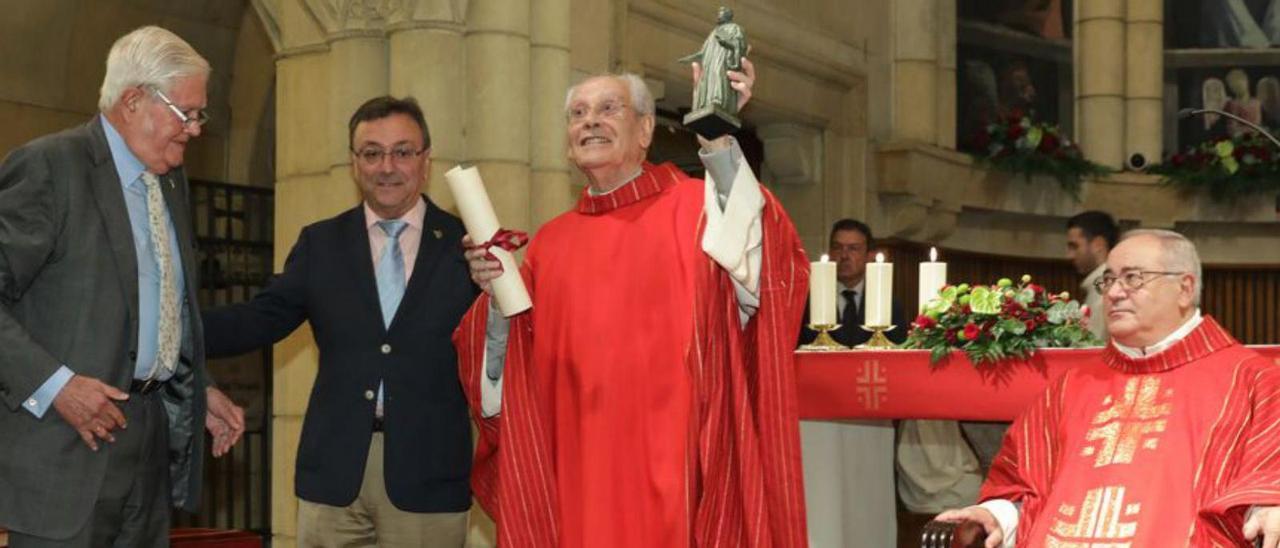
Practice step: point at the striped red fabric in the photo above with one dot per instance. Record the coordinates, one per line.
(744, 483)
(1219, 424)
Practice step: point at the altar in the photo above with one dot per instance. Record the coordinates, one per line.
(902, 384)
(848, 401)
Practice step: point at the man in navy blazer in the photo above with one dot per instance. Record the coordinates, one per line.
(385, 452)
(849, 246)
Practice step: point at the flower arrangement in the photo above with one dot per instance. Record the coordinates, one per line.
(997, 322)
(1018, 144)
(1228, 168)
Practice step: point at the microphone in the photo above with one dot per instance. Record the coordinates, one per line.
(1189, 112)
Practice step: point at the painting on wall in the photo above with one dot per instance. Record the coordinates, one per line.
(993, 84)
(1043, 18)
(1222, 23)
(1251, 93)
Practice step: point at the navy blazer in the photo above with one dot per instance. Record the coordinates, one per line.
(328, 280)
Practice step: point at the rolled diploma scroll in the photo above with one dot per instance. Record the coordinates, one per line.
(482, 223)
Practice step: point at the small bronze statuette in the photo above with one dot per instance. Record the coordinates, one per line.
(715, 102)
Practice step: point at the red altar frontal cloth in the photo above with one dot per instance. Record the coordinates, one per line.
(902, 384)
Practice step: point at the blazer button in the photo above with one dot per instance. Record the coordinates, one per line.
(368, 395)
(386, 349)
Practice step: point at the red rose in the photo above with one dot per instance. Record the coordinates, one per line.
(1015, 131)
(1015, 116)
(1178, 159)
(1048, 142)
(1036, 288)
(971, 331)
(950, 336)
(925, 322)
(1031, 325)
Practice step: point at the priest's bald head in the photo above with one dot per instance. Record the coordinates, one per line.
(610, 126)
(1151, 286)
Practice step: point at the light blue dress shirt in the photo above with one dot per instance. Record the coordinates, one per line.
(130, 170)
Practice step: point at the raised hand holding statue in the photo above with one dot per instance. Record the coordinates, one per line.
(716, 98)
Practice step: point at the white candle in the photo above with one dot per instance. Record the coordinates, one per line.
(822, 292)
(879, 298)
(933, 276)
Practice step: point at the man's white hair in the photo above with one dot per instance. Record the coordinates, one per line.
(148, 56)
(641, 97)
(1178, 255)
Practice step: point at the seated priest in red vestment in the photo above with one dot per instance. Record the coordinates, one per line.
(647, 399)
(1172, 439)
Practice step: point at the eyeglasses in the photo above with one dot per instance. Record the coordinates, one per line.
(198, 116)
(372, 156)
(1131, 280)
(609, 109)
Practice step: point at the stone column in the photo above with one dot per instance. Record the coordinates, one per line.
(498, 104)
(1100, 83)
(1144, 79)
(427, 61)
(357, 73)
(329, 62)
(915, 70)
(549, 37)
(945, 128)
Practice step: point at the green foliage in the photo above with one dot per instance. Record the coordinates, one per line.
(999, 322)
(1228, 169)
(1020, 145)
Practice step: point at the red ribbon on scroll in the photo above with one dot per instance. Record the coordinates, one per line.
(509, 240)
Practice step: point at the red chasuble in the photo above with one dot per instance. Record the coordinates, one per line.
(636, 410)
(1168, 450)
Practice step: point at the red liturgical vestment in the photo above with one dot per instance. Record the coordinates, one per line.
(1167, 450)
(637, 410)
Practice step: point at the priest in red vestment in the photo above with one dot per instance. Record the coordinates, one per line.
(1172, 440)
(647, 399)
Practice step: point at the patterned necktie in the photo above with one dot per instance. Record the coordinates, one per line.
(390, 270)
(169, 327)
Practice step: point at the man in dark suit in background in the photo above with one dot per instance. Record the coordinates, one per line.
(98, 316)
(385, 454)
(850, 456)
(849, 246)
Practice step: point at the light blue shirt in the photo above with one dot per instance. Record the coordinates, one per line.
(130, 169)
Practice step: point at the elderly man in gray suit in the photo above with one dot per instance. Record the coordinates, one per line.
(98, 317)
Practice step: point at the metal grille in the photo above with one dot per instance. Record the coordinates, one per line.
(234, 235)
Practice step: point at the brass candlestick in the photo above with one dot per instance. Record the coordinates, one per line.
(824, 342)
(878, 340)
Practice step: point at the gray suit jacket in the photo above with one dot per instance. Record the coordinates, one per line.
(69, 295)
